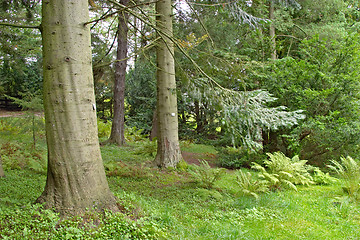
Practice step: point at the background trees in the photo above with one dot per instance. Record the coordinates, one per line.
(316, 47)
(20, 53)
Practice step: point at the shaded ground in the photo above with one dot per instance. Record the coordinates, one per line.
(6, 113)
(196, 158)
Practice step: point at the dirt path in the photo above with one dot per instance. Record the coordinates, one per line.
(6, 113)
(196, 158)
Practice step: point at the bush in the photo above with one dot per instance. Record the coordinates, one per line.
(234, 158)
(104, 128)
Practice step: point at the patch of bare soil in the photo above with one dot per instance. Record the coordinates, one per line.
(6, 113)
(15, 113)
(196, 158)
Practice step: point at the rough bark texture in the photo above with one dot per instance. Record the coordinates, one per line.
(155, 127)
(272, 31)
(118, 125)
(76, 178)
(168, 151)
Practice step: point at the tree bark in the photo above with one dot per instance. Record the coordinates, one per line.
(168, 151)
(155, 126)
(117, 135)
(76, 180)
(272, 31)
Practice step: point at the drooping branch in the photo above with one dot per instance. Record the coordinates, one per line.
(249, 106)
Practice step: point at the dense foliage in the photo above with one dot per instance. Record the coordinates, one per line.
(315, 71)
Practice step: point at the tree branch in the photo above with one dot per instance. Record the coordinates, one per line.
(123, 8)
(18, 25)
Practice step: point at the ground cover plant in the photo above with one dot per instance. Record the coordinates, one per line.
(172, 204)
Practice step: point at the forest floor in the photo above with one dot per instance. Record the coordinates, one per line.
(196, 158)
(189, 157)
(165, 204)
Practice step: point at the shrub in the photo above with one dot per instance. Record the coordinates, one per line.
(234, 158)
(282, 171)
(104, 128)
(348, 170)
(147, 148)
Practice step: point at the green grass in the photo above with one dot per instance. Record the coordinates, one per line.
(171, 205)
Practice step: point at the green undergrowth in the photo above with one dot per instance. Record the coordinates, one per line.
(170, 205)
(192, 203)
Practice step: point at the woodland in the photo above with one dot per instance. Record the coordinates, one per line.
(179, 119)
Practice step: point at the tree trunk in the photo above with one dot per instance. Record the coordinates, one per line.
(76, 179)
(272, 31)
(155, 127)
(2, 173)
(168, 151)
(118, 125)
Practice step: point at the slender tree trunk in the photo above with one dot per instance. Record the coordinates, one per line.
(168, 151)
(118, 125)
(76, 178)
(135, 29)
(272, 31)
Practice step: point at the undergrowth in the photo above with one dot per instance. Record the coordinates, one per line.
(196, 202)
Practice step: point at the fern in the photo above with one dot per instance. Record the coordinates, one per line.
(282, 171)
(206, 175)
(348, 170)
(249, 186)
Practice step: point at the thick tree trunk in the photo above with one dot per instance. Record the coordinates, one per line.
(118, 125)
(155, 126)
(168, 151)
(76, 178)
(272, 31)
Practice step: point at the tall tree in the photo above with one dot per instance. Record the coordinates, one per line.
(76, 178)
(168, 151)
(118, 123)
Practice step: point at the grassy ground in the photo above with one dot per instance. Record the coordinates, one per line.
(165, 204)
